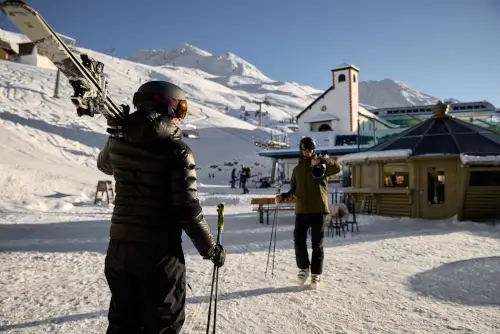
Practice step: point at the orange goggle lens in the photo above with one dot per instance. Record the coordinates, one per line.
(182, 109)
(180, 106)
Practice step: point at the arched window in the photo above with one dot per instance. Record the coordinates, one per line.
(324, 127)
(354, 78)
(342, 78)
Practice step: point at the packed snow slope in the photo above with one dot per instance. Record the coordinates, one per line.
(393, 276)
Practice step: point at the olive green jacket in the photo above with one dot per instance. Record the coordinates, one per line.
(311, 193)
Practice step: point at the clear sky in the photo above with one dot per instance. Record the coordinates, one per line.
(446, 48)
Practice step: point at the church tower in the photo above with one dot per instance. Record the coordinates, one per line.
(346, 91)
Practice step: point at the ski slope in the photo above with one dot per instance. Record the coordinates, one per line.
(43, 139)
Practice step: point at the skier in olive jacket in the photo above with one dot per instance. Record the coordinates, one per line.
(311, 193)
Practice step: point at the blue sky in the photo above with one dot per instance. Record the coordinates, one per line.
(446, 48)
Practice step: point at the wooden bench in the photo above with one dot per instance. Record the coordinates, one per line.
(268, 205)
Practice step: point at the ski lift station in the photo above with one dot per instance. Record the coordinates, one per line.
(340, 125)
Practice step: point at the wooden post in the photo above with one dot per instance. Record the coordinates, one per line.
(104, 187)
(56, 88)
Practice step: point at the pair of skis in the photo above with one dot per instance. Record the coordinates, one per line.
(85, 74)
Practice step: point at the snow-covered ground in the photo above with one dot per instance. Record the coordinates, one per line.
(393, 276)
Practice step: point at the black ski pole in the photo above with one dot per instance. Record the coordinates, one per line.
(271, 239)
(275, 231)
(215, 274)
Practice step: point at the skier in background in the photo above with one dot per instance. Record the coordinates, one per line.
(244, 178)
(247, 174)
(233, 178)
(242, 173)
(311, 193)
(156, 200)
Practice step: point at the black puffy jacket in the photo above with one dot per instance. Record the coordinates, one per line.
(156, 186)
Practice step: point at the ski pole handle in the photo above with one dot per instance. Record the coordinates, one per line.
(220, 214)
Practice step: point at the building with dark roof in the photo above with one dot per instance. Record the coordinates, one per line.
(437, 169)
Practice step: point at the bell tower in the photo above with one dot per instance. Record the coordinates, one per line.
(345, 83)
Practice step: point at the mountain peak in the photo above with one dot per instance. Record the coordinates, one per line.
(186, 55)
(185, 48)
(392, 93)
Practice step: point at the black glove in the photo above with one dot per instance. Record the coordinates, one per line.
(217, 255)
(283, 196)
(115, 125)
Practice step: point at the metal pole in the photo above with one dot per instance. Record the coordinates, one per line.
(359, 139)
(56, 88)
(374, 133)
(260, 113)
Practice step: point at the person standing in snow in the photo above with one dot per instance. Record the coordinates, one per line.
(244, 175)
(156, 200)
(311, 207)
(241, 176)
(233, 178)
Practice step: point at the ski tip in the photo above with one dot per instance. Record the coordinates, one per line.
(13, 2)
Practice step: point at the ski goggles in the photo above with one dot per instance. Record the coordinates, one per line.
(180, 107)
(308, 146)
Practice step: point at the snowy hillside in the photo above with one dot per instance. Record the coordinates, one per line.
(46, 149)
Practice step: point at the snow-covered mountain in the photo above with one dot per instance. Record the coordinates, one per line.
(227, 64)
(391, 93)
(234, 72)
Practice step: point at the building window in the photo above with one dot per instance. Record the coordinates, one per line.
(354, 78)
(489, 178)
(396, 176)
(342, 78)
(435, 185)
(324, 127)
(323, 108)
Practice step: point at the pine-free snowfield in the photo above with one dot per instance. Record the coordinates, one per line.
(394, 276)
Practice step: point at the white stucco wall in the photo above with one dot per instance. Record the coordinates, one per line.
(342, 101)
(37, 60)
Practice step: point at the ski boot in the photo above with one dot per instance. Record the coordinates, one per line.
(302, 276)
(96, 67)
(315, 280)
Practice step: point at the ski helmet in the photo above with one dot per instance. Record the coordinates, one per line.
(163, 97)
(307, 144)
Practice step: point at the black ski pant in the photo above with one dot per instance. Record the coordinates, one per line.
(148, 288)
(302, 223)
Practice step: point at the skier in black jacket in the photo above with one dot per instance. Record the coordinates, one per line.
(156, 199)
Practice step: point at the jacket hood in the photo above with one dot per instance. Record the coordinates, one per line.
(145, 127)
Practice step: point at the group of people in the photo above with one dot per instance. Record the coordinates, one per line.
(244, 176)
(157, 200)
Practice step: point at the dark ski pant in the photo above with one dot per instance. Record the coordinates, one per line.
(147, 284)
(302, 223)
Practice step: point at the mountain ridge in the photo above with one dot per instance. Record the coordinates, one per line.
(233, 71)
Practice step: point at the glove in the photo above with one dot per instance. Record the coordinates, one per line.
(217, 255)
(115, 125)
